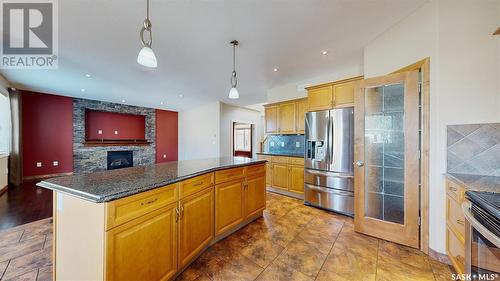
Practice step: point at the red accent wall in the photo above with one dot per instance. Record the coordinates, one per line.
(47, 133)
(128, 126)
(166, 136)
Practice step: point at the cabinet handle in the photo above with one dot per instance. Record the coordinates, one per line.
(182, 213)
(452, 188)
(149, 202)
(198, 183)
(461, 222)
(176, 214)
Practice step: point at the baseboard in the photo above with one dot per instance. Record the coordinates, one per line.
(41, 177)
(285, 192)
(439, 257)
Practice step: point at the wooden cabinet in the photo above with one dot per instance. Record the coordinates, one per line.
(455, 225)
(300, 116)
(286, 123)
(320, 98)
(271, 119)
(195, 224)
(280, 175)
(332, 95)
(229, 205)
(255, 196)
(144, 248)
(286, 117)
(296, 181)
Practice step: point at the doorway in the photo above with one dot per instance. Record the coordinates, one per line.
(242, 139)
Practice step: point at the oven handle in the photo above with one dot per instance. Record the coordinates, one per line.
(478, 226)
(329, 190)
(328, 174)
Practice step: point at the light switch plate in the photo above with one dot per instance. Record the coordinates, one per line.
(38, 164)
(272, 143)
(282, 144)
(99, 132)
(55, 163)
(297, 144)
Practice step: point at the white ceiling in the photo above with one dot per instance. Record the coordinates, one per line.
(191, 42)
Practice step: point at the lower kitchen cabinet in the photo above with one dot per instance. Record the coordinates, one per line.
(229, 205)
(280, 175)
(144, 248)
(455, 225)
(296, 182)
(255, 195)
(195, 224)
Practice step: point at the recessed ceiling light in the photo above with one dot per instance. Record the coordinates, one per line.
(88, 75)
(83, 90)
(181, 96)
(276, 69)
(324, 52)
(123, 101)
(161, 103)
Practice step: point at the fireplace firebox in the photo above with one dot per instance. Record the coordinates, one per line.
(120, 159)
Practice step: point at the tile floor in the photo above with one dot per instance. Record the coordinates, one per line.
(290, 242)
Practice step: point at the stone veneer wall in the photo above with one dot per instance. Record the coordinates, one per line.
(88, 159)
(474, 149)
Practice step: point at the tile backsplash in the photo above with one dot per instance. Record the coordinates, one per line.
(474, 149)
(285, 144)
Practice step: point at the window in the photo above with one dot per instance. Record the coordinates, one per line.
(243, 137)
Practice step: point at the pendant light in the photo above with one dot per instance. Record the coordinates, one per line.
(233, 93)
(146, 56)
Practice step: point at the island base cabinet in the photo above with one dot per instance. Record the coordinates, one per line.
(144, 248)
(255, 195)
(228, 205)
(196, 224)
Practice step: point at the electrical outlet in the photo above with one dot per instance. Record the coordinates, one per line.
(297, 144)
(38, 164)
(164, 155)
(116, 132)
(99, 132)
(272, 143)
(282, 144)
(55, 163)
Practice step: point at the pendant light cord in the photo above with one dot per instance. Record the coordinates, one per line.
(234, 79)
(147, 9)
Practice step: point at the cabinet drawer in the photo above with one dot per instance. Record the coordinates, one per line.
(123, 210)
(280, 159)
(455, 217)
(456, 251)
(229, 174)
(455, 191)
(256, 169)
(296, 161)
(191, 186)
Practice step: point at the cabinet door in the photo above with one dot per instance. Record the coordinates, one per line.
(296, 179)
(343, 94)
(229, 206)
(280, 176)
(320, 98)
(144, 248)
(269, 173)
(301, 109)
(255, 195)
(271, 118)
(286, 123)
(196, 224)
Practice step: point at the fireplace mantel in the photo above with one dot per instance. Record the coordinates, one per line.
(116, 143)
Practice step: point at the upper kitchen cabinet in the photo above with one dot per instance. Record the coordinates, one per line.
(286, 117)
(271, 114)
(332, 95)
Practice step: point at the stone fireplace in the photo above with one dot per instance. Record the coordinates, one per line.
(120, 159)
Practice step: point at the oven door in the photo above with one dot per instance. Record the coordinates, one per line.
(482, 246)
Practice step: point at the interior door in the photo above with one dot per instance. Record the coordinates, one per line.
(386, 154)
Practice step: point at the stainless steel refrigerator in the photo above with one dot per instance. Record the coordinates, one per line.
(329, 173)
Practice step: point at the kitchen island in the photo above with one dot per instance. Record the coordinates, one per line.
(150, 222)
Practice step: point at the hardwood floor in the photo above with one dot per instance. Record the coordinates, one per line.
(291, 242)
(24, 204)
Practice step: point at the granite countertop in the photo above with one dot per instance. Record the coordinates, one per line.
(298, 155)
(115, 184)
(476, 182)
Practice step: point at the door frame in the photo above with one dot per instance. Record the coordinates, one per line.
(252, 136)
(424, 66)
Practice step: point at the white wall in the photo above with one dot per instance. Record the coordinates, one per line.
(4, 124)
(456, 35)
(230, 114)
(199, 132)
(347, 69)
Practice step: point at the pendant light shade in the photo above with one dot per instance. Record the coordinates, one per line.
(233, 93)
(146, 56)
